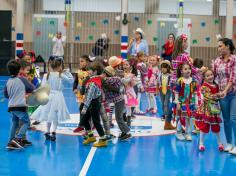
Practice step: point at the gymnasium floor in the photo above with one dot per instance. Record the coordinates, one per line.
(141, 156)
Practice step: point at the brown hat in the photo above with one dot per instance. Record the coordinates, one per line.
(166, 62)
(110, 71)
(114, 61)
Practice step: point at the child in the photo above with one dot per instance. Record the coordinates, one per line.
(24, 69)
(208, 114)
(92, 105)
(55, 110)
(185, 100)
(113, 93)
(179, 57)
(198, 63)
(15, 90)
(151, 83)
(141, 79)
(115, 63)
(129, 81)
(163, 86)
(78, 82)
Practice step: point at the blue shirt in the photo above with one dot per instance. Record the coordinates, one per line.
(143, 46)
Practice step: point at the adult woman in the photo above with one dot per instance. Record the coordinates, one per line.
(224, 68)
(138, 44)
(168, 47)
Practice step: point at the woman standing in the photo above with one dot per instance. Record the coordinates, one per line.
(224, 68)
(168, 47)
(138, 44)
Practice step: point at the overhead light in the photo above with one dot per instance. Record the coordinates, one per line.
(209, 0)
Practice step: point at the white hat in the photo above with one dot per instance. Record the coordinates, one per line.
(139, 30)
(104, 35)
(39, 97)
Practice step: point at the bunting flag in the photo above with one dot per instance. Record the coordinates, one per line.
(181, 14)
(68, 11)
(19, 43)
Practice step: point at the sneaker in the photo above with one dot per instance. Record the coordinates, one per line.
(188, 137)
(124, 136)
(18, 142)
(26, 142)
(47, 136)
(89, 140)
(78, 130)
(100, 143)
(221, 147)
(233, 151)
(228, 148)
(35, 123)
(109, 137)
(53, 136)
(179, 135)
(201, 148)
(139, 113)
(13, 146)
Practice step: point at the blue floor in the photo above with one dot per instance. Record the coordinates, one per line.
(144, 156)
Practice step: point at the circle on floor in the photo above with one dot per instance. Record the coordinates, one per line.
(140, 126)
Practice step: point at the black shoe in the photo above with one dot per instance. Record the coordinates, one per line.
(17, 142)
(125, 136)
(53, 136)
(129, 121)
(26, 142)
(35, 123)
(163, 118)
(47, 136)
(12, 146)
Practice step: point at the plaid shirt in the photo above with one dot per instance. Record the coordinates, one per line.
(183, 58)
(92, 92)
(225, 72)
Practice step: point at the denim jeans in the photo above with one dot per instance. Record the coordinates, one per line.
(16, 118)
(228, 108)
(165, 100)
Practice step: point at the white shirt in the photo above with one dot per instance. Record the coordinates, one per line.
(58, 48)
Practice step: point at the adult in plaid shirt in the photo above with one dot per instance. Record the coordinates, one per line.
(224, 68)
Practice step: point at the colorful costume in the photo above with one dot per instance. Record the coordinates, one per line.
(186, 96)
(129, 81)
(209, 111)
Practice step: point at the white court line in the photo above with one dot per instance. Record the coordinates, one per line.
(88, 161)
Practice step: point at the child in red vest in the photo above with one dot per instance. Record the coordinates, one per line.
(92, 105)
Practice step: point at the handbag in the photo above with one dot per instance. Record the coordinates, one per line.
(214, 107)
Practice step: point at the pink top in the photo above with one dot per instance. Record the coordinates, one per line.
(183, 58)
(225, 72)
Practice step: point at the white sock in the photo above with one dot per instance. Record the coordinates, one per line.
(54, 126)
(202, 138)
(218, 138)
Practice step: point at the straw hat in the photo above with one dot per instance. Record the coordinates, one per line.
(114, 61)
(166, 62)
(139, 30)
(110, 71)
(39, 97)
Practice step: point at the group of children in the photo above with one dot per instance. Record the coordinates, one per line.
(186, 88)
